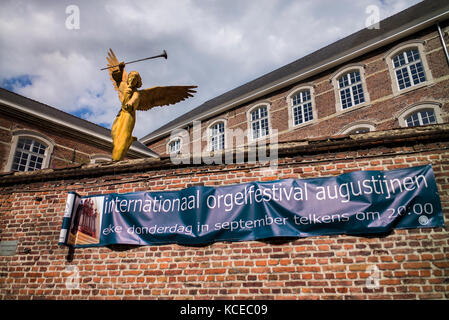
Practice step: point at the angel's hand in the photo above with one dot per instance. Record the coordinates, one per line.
(128, 91)
(128, 107)
(121, 65)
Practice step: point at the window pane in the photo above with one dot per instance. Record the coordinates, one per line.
(408, 68)
(305, 95)
(265, 127)
(412, 55)
(175, 146)
(420, 118)
(302, 107)
(417, 72)
(358, 94)
(351, 92)
(345, 96)
(255, 127)
(428, 117)
(301, 97)
(308, 112)
(399, 60)
(27, 144)
(297, 115)
(403, 78)
(217, 136)
(343, 81)
(259, 122)
(413, 120)
(359, 130)
(254, 115)
(29, 155)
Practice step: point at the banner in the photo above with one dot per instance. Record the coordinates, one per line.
(362, 202)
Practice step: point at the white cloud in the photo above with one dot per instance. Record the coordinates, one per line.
(215, 44)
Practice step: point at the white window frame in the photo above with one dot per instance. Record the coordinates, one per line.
(291, 106)
(173, 140)
(413, 44)
(421, 106)
(34, 135)
(267, 105)
(344, 71)
(210, 133)
(99, 158)
(357, 125)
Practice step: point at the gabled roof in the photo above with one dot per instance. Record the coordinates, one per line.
(400, 25)
(19, 103)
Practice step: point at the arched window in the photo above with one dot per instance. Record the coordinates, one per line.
(350, 87)
(301, 106)
(217, 136)
(29, 151)
(357, 127)
(29, 155)
(100, 158)
(421, 114)
(421, 118)
(259, 125)
(359, 130)
(408, 66)
(174, 146)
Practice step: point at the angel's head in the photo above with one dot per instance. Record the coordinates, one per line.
(134, 79)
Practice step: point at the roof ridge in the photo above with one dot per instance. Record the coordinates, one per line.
(53, 108)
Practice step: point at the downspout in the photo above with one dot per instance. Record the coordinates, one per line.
(443, 42)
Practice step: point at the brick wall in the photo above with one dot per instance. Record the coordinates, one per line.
(381, 111)
(412, 264)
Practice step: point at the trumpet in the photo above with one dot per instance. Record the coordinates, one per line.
(162, 55)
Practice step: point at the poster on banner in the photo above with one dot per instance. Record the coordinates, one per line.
(360, 202)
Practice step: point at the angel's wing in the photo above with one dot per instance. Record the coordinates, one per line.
(113, 61)
(162, 96)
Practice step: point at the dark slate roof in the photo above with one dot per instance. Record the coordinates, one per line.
(403, 20)
(51, 112)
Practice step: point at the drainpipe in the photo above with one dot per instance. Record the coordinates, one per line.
(443, 42)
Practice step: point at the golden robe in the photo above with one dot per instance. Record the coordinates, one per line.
(122, 129)
(123, 125)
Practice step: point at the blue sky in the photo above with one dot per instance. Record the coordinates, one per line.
(216, 45)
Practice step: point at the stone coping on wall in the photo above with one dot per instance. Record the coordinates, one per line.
(421, 134)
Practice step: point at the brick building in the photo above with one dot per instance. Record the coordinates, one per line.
(408, 263)
(375, 79)
(397, 128)
(37, 136)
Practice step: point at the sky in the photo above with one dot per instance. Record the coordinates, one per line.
(46, 55)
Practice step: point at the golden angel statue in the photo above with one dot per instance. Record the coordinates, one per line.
(133, 99)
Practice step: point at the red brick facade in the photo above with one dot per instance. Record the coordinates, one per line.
(68, 148)
(412, 264)
(382, 110)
